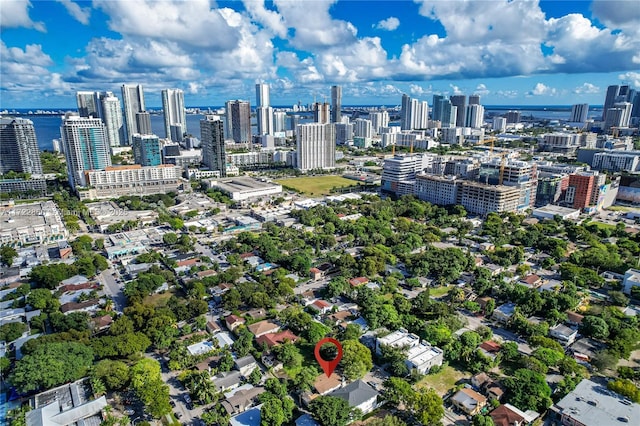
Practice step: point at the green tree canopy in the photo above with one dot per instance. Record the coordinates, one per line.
(332, 411)
(356, 359)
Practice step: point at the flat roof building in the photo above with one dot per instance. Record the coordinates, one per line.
(244, 188)
(35, 223)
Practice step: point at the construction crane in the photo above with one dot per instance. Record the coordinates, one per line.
(503, 163)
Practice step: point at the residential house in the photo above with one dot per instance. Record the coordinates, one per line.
(631, 279)
(565, 335)
(422, 357)
(490, 349)
(531, 281)
(574, 318)
(508, 415)
(585, 349)
(86, 306)
(101, 323)
(213, 327)
(274, 339)
(323, 384)
(358, 281)
(359, 395)
(592, 404)
(322, 306)
(503, 313)
(234, 321)
(245, 365)
(261, 328)
(257, 314)
(315, 274)
(241, 399)
(469, 401)
(227, 381)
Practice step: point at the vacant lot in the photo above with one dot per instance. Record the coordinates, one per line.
(443, 381)
(315, 185)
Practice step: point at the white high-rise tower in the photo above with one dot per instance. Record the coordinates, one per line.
(316, 146)
(174, 111)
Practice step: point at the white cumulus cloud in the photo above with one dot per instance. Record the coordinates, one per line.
(81, 14)
(542, 89)
(15, 14)
(586, 88)
(389, 24)
(632, 78)
(481, 89)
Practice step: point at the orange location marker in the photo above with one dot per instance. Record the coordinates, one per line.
(328, 366)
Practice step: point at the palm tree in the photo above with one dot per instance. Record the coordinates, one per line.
(202, 388)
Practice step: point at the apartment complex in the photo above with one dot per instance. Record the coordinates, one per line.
(117, 181)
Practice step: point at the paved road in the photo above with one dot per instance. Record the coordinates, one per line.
(113, 289)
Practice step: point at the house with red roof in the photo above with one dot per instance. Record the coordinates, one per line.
(358, 281)
(275, 339)
(234, 321)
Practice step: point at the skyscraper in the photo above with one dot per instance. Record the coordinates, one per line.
(420, 114)
(279, 121)
(475, 116)
(610, 99)
(362, 128)
(264, 112)
(378, 120)
(212, 138)
(146, 150)
(436, 113)
(133, 102)
(460, 102)
(321, 113)
(448, 113)
(619, 115)
(336, 104)
(474, 99)
(112, 118)
(85, 147)
(579, 113)
(174, 111)
(88, 104)
(238, 122)
(19, 147)
(406, 119)
(315, 146)
(143, 123)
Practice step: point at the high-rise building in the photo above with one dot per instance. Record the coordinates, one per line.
(499, 124)
(112, 118)
(143, 123)
(88, 104)
(336, 104)
(264, 112)
(448, 113)
(146, 150)
(610, 99)
(294, 120)
(512, 117)
(460, 102)
(315, 146)
(474, 99)
(619, 115)
(19, 147)
(436, 113)
(579, 113)
(344, 133)
(238, 121)
(174, 111)
(85, 147)
(420, 114)
(363, 128)
(406, 119)
(321, 113)
(378, 120)
(279, 121)
(133, 103)
(212, 140)
(475, 116)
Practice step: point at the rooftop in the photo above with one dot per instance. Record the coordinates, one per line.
(591, 403)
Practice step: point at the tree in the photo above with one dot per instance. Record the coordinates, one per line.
(289, 355)
(388, 420)
(255, 376)
(428, 407)
(146, 381)
(202, 388)
(618, 298)
(41, 298)
(244, 342)
(114, 374)
(626, 388)
(7, 254)
(528, 390)
(170, 238)
(305, 379)
(272, 413)
(356, 359)
(11, 331)
(595, 327)
(332, 411)
(482, 420)
(51, 365)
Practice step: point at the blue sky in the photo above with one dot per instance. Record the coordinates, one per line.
(511, 52)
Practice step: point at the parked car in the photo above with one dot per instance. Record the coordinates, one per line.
(178, 415)
(129, 412)
(187, 399)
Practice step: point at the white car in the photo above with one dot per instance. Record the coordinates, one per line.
(129, 412)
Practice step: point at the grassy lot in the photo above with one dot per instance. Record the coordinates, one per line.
(157, 300)
(601, 225)
(443, 381)
(439, 291)
(315, 185)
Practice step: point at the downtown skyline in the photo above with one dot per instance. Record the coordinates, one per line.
(508, 52)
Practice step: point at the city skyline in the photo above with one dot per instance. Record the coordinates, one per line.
(509, 52)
